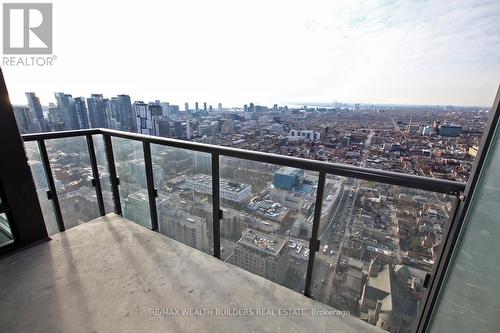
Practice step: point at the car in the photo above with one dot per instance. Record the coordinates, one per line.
(332, 252)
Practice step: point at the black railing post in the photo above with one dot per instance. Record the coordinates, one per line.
(216, 212)
(95, 174)
(314, 242)
(112, 173)
(52, 187)
(152, 192)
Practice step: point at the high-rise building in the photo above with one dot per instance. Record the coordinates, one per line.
(113, 112)
(186, 106)
(146, 116)
(128, 122)
(288, 178)
(67, 109)
(207, 128)
(81, 112)
(188, 129)
(174, 110)
(55, 118)
(138, 174)
(26, 120)
(162, 127)
(181, 226)
(136, 207)
(202, 162)
(178, 130)
(165, 107)
(196, 106)
(263, 254)
(97, 111)
(36, 109)
(220, 106)
(156, 109)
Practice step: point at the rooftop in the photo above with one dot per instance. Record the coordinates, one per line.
(289, 171)
(225, 184)
(113, 275)
(262, 242)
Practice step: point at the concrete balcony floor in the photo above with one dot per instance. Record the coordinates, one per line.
(107, 275)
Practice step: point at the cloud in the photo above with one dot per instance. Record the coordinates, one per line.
(419, 52)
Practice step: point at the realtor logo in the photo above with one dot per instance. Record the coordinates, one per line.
(27, 28)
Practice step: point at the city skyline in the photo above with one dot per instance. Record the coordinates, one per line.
(356, 52)
(250, 166)
(192, 102)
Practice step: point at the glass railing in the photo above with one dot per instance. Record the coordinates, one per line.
(5, 231)
(184, 212)
(6, 236)
(38, 170)
(361, 240)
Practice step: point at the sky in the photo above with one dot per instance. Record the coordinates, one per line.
(271, 51)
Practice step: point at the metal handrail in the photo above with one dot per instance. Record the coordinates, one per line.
(376, 175)
(323, 169)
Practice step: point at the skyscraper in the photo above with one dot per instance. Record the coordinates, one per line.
(81, 112)
(178, 129)
(146, 116)
(97, 111)
(143, 121)
(162, 128)
(127, 118)
(55, 118)
(174, 110)
(26, 120)
(36, 108)
(188, 129)
(67, 109)
(113, 110)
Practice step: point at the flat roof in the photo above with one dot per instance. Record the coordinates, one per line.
(266, 243)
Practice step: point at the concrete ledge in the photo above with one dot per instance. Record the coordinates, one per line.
(108, 275)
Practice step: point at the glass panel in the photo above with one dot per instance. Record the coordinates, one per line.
(40, 180)
(130, 169)
(184, 212)
(267, 218)
(70, 164)
(102, 166)
(471, 297)
(5, 232)
(378, 241)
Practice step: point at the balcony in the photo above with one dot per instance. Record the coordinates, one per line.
(363, 241)
(112, 275)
